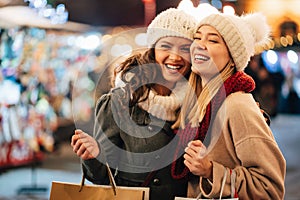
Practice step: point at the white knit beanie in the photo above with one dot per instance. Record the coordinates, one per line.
(242, 34)
(171, 22)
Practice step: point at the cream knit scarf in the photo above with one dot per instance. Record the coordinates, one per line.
(165, 107)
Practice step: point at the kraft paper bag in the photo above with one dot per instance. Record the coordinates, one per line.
(70, 191)
(233, 191)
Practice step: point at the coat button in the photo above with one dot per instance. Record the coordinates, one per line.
(156, 181)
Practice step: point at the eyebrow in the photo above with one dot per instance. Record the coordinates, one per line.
(165, 42)
(172, 43)
(210, 34)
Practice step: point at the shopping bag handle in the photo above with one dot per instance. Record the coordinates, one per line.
(81, 182)
(111, 180)
(233, 176)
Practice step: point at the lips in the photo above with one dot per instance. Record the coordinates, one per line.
(173, 67)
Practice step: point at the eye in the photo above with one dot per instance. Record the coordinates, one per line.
(213, 41)
(197, 38)
(165, 46)
(185, 49)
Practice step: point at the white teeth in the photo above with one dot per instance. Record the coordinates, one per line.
(201, 57)
(173, 67)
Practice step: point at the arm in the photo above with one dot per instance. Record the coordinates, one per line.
(260, 165)
(107, 135)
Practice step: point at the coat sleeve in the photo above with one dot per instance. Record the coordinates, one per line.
(107, 135)
(261, 167)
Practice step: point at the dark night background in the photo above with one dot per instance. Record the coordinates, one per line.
(111, 12)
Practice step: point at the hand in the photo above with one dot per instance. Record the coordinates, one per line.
(196, 160)
(84, 145)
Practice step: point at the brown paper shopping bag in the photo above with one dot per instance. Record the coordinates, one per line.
(233, 192)
(72, 191)
(69, 191)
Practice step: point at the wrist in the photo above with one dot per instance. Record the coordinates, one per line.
(209, 173)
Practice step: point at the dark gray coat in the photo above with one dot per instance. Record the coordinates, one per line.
(137, 144)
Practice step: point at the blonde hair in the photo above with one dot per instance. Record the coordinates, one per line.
(198, 97)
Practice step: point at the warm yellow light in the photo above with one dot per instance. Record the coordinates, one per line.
(283, 41)
(289, 39)
(106, 38)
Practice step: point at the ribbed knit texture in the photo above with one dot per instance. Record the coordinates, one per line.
(165, 107)
(242, 35)
(237, 82)
(171, 22)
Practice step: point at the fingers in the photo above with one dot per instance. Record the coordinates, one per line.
(86, 155)
(76, 136)
(190, 152)
(81, 149)
(195, 159)
(78, 131)
(77, 141)
(79, 134)
(74, 139)
(76, 146)
(196, 143)
(198, 147)
(194, 153)
(84, 145)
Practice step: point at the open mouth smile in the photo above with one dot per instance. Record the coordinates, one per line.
(200, 57)
(173, 67)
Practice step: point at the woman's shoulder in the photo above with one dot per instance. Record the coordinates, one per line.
(240, 99)
(115, 94)
(240, 103)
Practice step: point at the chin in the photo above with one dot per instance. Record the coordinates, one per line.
(196, 70)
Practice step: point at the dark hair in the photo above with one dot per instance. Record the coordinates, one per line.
(138, 72)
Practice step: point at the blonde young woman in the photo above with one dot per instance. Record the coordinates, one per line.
(133, 128)
(229, 138)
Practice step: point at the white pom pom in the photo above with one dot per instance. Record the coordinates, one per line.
(259, 24)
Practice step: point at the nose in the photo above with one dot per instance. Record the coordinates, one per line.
(174, 55)
(200, 45)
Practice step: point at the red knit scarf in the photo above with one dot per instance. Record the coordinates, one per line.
(239, 81)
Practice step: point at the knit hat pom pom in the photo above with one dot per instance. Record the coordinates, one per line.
(258, 23)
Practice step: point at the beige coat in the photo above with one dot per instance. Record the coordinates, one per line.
(242, 141)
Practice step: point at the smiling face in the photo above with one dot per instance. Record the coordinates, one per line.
(209, 52)
(173, 56)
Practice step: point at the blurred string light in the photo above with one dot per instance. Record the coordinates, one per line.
(121, 50)
(204, 8)
(292, 56)
(272, 57)
(217, 4)
(90, 41)
(275, 61)
(141, 39)
(199, 12)
(58, 15)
